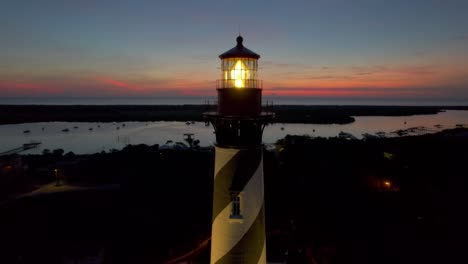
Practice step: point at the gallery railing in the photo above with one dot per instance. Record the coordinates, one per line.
(233, 83)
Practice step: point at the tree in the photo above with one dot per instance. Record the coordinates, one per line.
(70, 154)
(58, 152)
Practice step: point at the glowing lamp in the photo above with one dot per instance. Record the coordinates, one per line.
(239, 74)
(239, 67)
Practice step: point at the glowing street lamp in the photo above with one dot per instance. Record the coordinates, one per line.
(388, 184)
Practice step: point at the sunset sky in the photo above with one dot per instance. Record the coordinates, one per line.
(333, 49)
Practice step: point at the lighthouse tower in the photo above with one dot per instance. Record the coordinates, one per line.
(238, 224)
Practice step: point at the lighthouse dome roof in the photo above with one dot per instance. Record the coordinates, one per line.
(239, 51)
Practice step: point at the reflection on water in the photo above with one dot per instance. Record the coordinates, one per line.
(82, 138)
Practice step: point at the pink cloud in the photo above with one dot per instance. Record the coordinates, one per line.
(350, 92)
(119, 84)
(13, 88)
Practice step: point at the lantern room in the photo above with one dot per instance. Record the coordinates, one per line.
(239, 90)
(239, 67)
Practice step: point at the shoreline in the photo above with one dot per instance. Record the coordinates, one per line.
(308, 114)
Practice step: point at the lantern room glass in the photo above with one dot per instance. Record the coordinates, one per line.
(239, 73)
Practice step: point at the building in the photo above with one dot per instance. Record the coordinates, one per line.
(238, 223)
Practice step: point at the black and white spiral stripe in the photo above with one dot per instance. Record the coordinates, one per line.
(238, 240)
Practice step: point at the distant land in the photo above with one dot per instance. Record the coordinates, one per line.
(199, 100)
(311, 114)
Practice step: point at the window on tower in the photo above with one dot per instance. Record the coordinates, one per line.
(236, 206)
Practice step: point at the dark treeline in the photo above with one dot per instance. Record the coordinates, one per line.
(387, 200)
(163, 206)
(400, 200)
(13, 114)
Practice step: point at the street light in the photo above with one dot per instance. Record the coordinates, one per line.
(57, 182)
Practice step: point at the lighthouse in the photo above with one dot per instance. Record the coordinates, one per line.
(238, 223)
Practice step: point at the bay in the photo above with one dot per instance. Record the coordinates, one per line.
(89, 137)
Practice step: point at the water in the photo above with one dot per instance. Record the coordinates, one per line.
(106, 136)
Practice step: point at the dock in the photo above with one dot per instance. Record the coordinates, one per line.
(25, 146)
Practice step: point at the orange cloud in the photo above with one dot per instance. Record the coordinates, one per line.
(198, 92)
